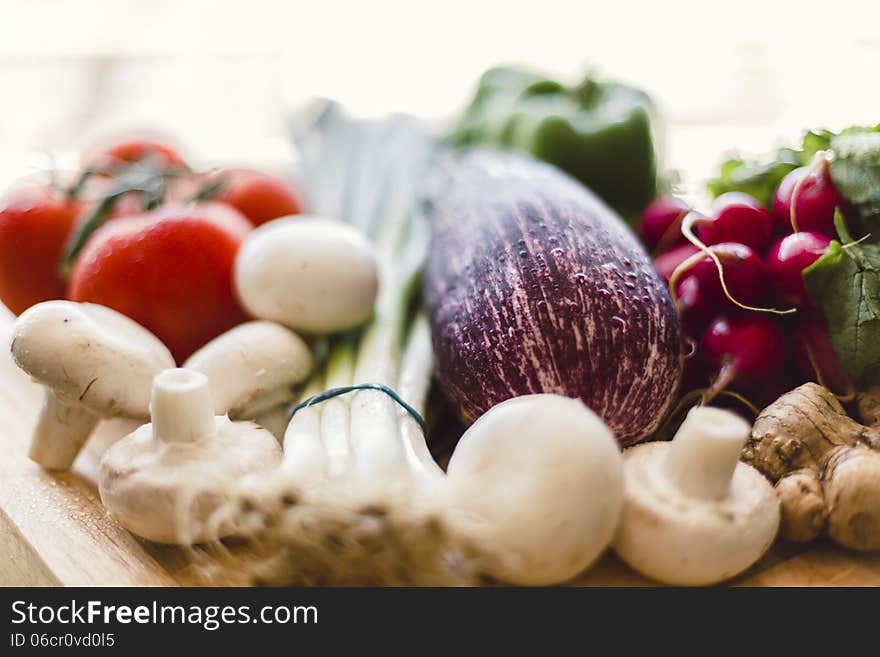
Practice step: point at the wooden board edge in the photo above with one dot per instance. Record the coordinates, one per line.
(21, 565)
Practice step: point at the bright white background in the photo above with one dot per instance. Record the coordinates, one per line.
(222, 76)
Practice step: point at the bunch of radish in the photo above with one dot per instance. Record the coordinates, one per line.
(736, 275)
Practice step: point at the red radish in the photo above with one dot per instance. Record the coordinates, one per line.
(737, 217)
(660, 225)
(696, 370)
(668, 261)
(698, 286)
(773, 388)
(747, 349)
(169, 270)
(815, 202)
(787, 260)
(815, 357)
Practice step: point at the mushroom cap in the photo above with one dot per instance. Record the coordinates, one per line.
(537, 481)
(314, 275)
(252, 367)
(178, 492)
(90, 355)
(678, 539)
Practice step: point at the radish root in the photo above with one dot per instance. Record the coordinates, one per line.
(687, 229)
(334, 535)
(670, 235)
(844, 396)
(818, 159)
(868, 402)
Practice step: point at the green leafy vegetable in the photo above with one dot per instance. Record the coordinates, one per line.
(758, 179)
(855, 167)
(845, 285)
(813, 142)
(855, 170)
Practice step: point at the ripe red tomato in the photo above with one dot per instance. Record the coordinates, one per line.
(170, 270)
(258, 196)
(35, 222)
(119, 154)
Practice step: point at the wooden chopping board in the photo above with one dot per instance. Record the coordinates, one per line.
(54, 530)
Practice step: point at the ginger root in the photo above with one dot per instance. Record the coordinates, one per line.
(869, 405)
(824, 464)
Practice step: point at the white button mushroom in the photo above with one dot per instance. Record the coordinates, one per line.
(252, 368)
(93, 362)
(170, 481)
(693, 514)
(310, 274)
(537, 481)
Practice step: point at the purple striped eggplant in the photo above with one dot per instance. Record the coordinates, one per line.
(534, 285)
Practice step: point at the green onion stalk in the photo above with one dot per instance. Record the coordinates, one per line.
(362, 409)
(359, 498)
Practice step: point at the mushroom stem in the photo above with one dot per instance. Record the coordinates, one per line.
(181, 407)
(705, 451)
(61, 431)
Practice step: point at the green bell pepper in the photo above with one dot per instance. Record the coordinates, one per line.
(602, 133)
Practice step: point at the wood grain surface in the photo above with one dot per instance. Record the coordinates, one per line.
(54, 530)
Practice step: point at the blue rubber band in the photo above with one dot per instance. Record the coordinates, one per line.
(335, 392)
